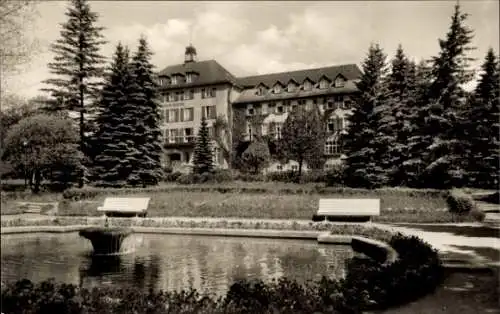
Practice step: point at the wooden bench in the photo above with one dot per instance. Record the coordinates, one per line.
(347, 209)
(125, 206)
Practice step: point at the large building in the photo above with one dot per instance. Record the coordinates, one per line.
(204, 88)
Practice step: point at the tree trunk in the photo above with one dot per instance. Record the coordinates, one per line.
(301, 160)
(36, 181)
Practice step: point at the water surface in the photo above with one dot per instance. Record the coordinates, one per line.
(168, 262)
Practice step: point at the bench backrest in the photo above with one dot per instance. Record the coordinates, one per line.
(349, 207)
(125, 204)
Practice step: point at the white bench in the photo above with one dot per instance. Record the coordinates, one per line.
(354, 209)
(125, 206)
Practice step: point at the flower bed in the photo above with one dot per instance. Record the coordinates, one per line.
(369, 285)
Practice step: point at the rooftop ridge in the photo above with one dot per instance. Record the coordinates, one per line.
(299, 71)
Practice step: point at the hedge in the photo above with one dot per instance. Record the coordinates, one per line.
(369, 285)
(92, 192)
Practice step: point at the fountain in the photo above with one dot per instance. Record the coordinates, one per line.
(106, 240)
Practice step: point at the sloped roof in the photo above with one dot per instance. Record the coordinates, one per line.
(349, 71)
(210, 72)
(250, 95)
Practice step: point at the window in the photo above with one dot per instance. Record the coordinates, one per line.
(208, 112)
(329, 105)
(335, 124)
(208, 93)
(291, 87)
(279, 109)
(279, 167)
(174, 136)
(162, 115)
(264, 109)
(187, 114)
(331, 147)
(188, 136)
(189, 77)
(189, 94)
(339, 101)
(295, 167)
(166, 97)
(173, 115)
(212, 92)
(323, 84)
(272, 107)
(307, 85)
(250, 132)
(277, 130)
(339, 81)
(174, 79)
(277, 89)
(178, 95)
(302, 102)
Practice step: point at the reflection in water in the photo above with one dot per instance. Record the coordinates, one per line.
(168, 262)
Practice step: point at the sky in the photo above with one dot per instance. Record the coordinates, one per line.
(250, 38)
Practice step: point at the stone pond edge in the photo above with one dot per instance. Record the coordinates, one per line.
(321, 236)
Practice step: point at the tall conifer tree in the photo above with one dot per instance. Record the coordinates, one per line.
(442, 131)
(367, 138)
(482, 124)
(116, 125)
(77, 64)
(401, 85)
(203, 157)
(147, 137)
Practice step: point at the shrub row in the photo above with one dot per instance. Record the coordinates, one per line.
(369, 285)
(332, 178)
(92, 192)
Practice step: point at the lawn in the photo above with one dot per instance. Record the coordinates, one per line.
(300, 202)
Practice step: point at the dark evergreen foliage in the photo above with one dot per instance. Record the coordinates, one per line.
(441, 134)
(368, 136)
(482, 127)
(202, 158)
(147, 169)
(402, 101)
(77, 65)
(116, 121)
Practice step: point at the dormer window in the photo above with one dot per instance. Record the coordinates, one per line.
(277, 89)
(291, 87)
(261, 89)
(174, 80)
(189, 77)
(340, 81)
(323, 84)
(307, 85)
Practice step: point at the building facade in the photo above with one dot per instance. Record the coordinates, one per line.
(254, 105)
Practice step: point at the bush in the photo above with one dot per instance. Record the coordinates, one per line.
(186, 178)
(460, 203)
(171, 176)
(335, 176)
(222, 175)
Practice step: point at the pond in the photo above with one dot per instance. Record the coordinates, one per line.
(169, 262)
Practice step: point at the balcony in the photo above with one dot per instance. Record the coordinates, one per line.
(187, 140)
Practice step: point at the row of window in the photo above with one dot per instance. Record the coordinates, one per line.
(188, 94)
(295, 167)
(279, 107)
(186, 114)
(334, 125)
(307, 85)
(178, 79)
(182, 135)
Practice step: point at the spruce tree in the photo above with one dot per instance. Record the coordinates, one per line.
(402, 98)
(116, 125)
(442, 133)
(367, 139)
(482, 124)
(202, 158)
(147, 137)
(77, 64)
(414, 165)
